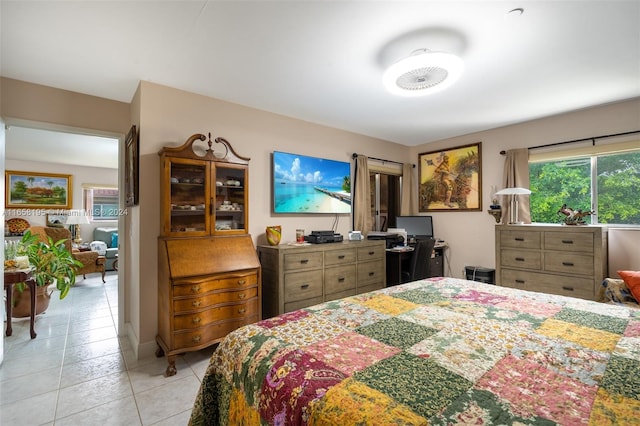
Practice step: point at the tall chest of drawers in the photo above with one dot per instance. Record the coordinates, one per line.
(294, 277)
(556, 259)
(207, 287)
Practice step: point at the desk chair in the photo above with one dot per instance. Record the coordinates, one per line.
(420, 266)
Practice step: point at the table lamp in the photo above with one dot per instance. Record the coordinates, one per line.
(513, 209)
(74, 220)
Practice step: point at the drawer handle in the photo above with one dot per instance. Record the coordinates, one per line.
(242, 296)
(341, 256)
(195, 289)
(304, 286)
(371, 274)
(196, 303)
(341, 279)
(371, 253)
(241, 310)
(520, 281)
(304, 261)
(567, 263)
(241, 282)
(196, 339)
(519, 239)
(196, 320)
(567, 241)
(567, 288)
(519, 259)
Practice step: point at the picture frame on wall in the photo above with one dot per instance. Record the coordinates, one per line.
(35, 190)
(451, 179)
(131, 168)
(56, 220)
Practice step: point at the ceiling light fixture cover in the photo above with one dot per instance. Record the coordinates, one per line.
(422, 73)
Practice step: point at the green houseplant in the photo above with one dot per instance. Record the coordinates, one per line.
(51, 263)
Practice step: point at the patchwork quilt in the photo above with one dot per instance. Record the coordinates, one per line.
(433, 352)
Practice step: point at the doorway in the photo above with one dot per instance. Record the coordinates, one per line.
(91, 159)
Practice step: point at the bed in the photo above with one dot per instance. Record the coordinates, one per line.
(437, 351)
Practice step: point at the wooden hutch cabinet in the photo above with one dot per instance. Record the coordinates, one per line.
(209, 275)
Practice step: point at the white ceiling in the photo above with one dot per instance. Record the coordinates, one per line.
(52, 146)
(322, 61)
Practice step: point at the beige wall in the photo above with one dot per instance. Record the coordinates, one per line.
(167, 116)
(80, 175)
(471, 235)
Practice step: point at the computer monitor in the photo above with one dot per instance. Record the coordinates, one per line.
(417, 227)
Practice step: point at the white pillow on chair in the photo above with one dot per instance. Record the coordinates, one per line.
(99, 246)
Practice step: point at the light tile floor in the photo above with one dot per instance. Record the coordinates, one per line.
(78, 372)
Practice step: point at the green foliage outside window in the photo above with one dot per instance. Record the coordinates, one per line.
(555, 183)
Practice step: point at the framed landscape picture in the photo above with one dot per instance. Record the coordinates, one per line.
(451, 179)
(34, 190)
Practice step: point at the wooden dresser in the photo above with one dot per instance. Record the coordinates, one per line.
(556, 259)
(294, 277)
(208, 269)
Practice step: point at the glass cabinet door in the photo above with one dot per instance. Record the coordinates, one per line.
(230, 199)
(188, 198)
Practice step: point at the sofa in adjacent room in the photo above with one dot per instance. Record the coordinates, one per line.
(110, 237)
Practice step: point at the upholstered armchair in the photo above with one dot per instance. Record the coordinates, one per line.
(91, 260)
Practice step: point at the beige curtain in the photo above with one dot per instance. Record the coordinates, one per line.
(516, 174)
(362, 220)
(409, 203)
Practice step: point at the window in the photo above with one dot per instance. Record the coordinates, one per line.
(101, 203)
(606, 182)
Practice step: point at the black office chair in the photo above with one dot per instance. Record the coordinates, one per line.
(420, 266)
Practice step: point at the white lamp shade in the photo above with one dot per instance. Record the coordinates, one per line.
(514, 191)
(77, 217)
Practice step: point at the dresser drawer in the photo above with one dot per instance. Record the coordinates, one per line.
(185, 304)
(198, 287)
(572, 241)
(371, 273)
(339, 257)
(521, 239)
(569, 263)
(545, 283)
(370, 287)
(299, 261)
(340, 295)
(339, 278)
(302, 285)
(208, 316)
(521, 259)
(294, 306)
(209, 334)
(366, 254)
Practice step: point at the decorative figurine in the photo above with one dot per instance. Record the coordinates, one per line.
(574, 217)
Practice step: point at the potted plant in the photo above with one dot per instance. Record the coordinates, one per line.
(50, 262)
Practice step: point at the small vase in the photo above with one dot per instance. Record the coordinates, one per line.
(274, 233)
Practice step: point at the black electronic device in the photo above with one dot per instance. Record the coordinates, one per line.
(416, 227)
(321, 237)
(391, 239)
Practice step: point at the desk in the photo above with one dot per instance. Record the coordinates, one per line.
(14, 277)
(399, 260)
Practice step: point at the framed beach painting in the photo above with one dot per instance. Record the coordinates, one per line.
(451, 179)
(34, 190)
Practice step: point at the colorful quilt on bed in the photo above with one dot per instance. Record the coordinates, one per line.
(434, 352)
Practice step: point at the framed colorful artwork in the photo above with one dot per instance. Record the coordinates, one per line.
(451, 179)
(131, 165)
(34, 190)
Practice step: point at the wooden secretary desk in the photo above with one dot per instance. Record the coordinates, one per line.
(209, 275)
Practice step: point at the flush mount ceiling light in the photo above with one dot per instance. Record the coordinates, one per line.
(422, 73)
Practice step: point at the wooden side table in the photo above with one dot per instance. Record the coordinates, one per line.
(14, 277)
